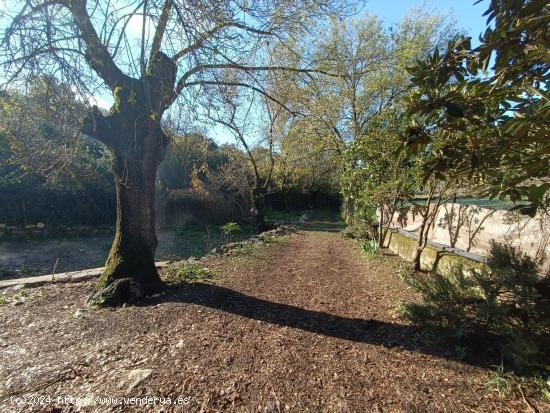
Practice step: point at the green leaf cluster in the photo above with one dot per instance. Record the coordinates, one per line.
(487, 109)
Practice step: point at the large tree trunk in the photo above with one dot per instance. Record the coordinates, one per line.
(133, 250)
(258, 213)
(130, 270)
(133, 133)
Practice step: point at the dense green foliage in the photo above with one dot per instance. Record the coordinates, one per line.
(502, 307)
(378, 178)
(230, 229)
(487, 109)
(48, 173)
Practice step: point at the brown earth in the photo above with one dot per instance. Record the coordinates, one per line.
(20, 258)
(302, 325)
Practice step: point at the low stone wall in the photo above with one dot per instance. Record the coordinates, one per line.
(61, 277)
(432, 258)
(473, 229)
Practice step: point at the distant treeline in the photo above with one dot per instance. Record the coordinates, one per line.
(190, 185)
(52, 174)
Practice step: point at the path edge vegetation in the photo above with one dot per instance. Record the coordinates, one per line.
(475, 118)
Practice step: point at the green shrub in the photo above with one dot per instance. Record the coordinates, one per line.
(362, 230)
(349, 232)
(5, 273)
(243, 249)
(500, 307)
(229, 229)
(405, 272)
(501, 381)
(543, 388)
(368, 248)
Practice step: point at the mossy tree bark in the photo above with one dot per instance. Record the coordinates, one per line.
(133, 133)
(258, 213)
(133, 250)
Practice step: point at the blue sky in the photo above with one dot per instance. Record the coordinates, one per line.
(469, 16)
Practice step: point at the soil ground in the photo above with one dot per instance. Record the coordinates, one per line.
(23, 258)
(302, 325)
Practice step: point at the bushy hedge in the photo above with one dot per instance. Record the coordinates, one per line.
(502, 308)
(32, 204)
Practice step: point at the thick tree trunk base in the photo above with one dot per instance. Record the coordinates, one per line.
(119, 292)
(129, 275)
(130, 261)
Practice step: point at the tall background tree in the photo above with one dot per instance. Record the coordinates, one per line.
(372, 60)
(381, 179)
(150, 56)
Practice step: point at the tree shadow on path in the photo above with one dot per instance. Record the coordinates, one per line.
(375, 332)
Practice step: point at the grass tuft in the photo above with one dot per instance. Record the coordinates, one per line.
(188, 273)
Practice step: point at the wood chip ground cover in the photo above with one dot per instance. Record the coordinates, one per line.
(303, 325)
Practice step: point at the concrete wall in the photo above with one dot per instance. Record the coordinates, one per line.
(472, 228)
(432, 258)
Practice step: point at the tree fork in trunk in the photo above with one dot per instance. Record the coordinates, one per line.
(428, 218)
(420, 245)
(386, 216)
(423, 234)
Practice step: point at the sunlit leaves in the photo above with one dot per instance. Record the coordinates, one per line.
(490, 121)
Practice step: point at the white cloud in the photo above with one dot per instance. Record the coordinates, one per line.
(134, 26)
(101, 102)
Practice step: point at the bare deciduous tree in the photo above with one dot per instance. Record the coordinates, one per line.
(275, 122)
(150, 55)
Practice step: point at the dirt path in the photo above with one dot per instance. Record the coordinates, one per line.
(303, 326)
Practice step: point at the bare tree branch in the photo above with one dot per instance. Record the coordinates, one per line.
(241, 84)
(97, 55)
(161, 29)
(203, 38)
